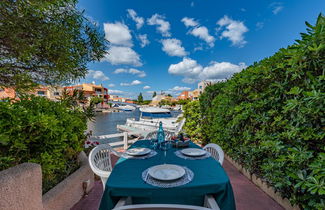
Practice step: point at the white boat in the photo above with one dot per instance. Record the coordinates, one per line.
(126, 108)
(150, 118)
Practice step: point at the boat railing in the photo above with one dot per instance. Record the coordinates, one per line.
(126, 141)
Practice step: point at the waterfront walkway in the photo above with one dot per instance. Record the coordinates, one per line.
(247, 195)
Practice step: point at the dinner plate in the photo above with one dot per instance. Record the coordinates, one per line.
(193, 152)
(138, 151)
(166, 172)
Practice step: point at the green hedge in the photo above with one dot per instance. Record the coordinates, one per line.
(192, 115)
(270, 118)
(38, 130)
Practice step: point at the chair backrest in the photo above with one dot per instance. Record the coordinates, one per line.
(153, 135)
(100, 158)
(160, 207)
(216, 152)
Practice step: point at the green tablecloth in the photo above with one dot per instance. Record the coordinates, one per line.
(209, 178)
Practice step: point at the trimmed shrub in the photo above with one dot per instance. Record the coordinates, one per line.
(270, 118)
(192, 115)
(41, 131)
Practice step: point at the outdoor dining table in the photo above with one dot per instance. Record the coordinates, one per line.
(126, 180)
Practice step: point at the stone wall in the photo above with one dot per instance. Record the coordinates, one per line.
(71, 190)
(21, 187)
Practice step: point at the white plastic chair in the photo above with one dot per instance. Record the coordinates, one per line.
(100, 161)
(153, 135)
(216, 152)
(125, 203)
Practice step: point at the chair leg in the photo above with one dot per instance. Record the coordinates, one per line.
(104, 180)
(210, 202)
(123, 202)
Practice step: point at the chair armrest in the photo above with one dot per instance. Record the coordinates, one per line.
(210, 202)
(123, 202)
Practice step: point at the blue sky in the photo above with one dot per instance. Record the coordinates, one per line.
(170, 45)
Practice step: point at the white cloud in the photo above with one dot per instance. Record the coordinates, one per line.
(134, 82)
(187, 67)
(163, 26)
(118, 34)
(276, 7)
(138, 20)
(220, 70)
(234, 30)
(115, 91)
(189, 80)
(189, 22)
(259, 25)
(130, 71)
(193, 72)
(111, 85)
(122, 55)
(198, 48)
(120, 70)
(99, 75)
(137, 72)
(143, 40)
(146, 87)
(178, 88)
(173, 47)
(201, 32)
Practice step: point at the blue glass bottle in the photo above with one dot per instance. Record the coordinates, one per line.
(160, 134)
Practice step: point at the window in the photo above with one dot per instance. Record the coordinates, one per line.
(41, 93)
(56, 93)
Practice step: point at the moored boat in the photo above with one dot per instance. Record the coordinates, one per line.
(150, 118)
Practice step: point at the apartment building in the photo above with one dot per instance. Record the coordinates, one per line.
(91, 90)
(51, 92)
(7, 93)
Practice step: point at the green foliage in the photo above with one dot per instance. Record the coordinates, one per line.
(46, 42)
(38, 130)
(270, 118)
(144, 102)
(154, 94)
(140, 98)
(165, 102)
(193, 119)
(96, 100)
(183, 101)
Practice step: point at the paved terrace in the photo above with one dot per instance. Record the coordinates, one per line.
(247, 195)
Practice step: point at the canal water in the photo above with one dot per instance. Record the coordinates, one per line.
(105, 123)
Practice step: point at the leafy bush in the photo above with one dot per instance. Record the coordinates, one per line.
(38, 130)
(192, 115)
(270, 118)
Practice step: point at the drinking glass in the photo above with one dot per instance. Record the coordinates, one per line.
(153, 144)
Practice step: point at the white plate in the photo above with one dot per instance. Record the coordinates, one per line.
(193, 152)
(138, 151)
(166, 172)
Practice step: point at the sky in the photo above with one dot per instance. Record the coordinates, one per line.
(171, 45)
